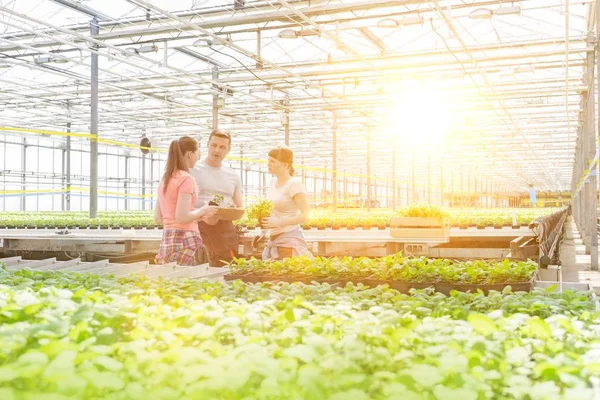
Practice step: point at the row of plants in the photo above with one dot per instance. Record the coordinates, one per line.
(76, 336)
(398, 271)
(460, 218)
(320, 218)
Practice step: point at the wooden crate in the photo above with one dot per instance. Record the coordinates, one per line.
(419, 228)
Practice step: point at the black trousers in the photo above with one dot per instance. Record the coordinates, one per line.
(221, 242)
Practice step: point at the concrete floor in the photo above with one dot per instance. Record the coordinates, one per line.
(575, 263)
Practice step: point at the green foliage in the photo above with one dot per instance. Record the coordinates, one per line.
(320, 217)
(261, 209)
(393, 268)
(77, 336)
(421, 210)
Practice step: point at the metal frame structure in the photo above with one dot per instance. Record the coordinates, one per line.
(323, 76)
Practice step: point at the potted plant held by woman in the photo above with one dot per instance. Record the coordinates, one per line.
(259, 211)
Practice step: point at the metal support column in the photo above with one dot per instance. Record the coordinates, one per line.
(151, 180)
(412, 168)
(334, 162)
(242, 170)
(441, 184)
(126, 182)
(315, 190)
(215, 100)
(23, 169)
(264, 178)
(593, 149)
(369, 169)
(462, 193)
(94, 30)
(429, 180)
(394, 197)
(452, 189)
(286, 119)
(143, 181)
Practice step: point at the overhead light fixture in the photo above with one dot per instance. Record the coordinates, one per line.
(4, 65)
(481, 13)
(526, 68)
(258, 89)
(411, 20)
(60, 60)
(142, 49)
(42, 59)
(45, 59)
(287, 34)
(203, 43)
(148, 49)
(388, 23)
(508, 10)
(308, 32)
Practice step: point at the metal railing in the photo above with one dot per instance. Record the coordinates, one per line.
(550, 233)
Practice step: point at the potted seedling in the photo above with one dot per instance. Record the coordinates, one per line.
(217, 200)
(259, 211)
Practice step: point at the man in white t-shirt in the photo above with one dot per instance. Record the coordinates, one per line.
(212, 177)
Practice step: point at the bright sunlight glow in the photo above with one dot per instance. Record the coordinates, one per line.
(420, 116)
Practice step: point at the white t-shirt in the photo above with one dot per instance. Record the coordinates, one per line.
(283, 201)
(215, 180)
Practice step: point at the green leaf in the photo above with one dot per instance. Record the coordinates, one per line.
(551, 289)
(289, 315)
(482, 324)
(354, 394)
(425, 375)
(108, 363)
(302, 352)
(7, 374)
(593, 369)
(447, 393)
(539, 328)
(33, 357)
(8, 394)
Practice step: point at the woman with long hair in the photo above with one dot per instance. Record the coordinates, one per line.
(290, 208)
(177, 195)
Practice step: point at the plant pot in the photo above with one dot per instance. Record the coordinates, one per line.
(350, 228)
(480, 226)
(497, 226)
(463, 226)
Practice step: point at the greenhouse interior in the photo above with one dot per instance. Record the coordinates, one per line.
(299, 199)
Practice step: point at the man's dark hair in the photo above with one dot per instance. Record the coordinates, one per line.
(220, 134)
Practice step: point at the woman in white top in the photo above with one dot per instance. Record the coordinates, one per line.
(290, 208)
